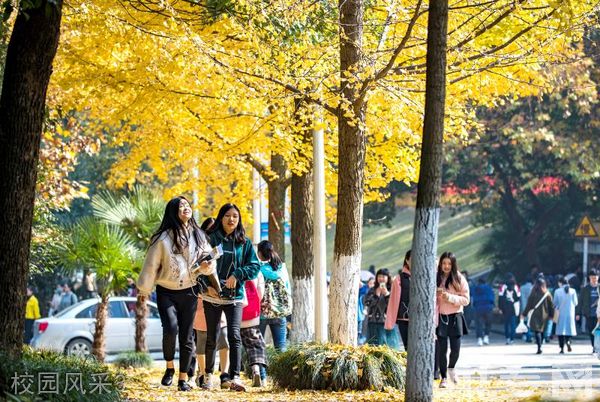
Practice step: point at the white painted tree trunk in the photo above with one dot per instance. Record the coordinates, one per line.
(421, 348)
(303, 325)
(421, 340)
(343, 299)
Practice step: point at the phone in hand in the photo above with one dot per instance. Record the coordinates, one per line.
(382, 285)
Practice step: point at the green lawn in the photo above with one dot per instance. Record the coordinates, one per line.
(385, 247)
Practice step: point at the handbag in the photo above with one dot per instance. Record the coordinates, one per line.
(530, 313)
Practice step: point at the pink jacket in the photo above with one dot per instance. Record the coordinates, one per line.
(457, 298)
(394, 305)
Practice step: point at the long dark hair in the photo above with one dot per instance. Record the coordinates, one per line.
(239, 233)
(453, 277)
(207, 224)
(265, 248)
(384, 271)
(171, 221)
(406, 258)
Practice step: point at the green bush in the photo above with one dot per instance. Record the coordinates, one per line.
(133, 359)
(38, 374)
(338, 367)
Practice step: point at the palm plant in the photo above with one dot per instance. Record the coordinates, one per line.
(107, 251)
(139, 215)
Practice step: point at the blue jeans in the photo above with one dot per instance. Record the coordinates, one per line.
(510, 324)
(548, 330)
(377, 335)
(278, 331)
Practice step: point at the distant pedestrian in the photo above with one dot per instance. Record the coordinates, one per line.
(397, 311)
(67, 298)
(565, 301)
(538, 309)
(526, 288)
(482, 300)
(32, 313)
(589, 303)
(376, 301)
(55, 301)
(452, 295)
(508, 303)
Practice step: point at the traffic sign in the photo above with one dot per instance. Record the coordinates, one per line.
(586, 228)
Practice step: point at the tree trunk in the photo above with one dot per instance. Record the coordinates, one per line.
(277, 189)
(28, 66)
(343, 289)
(99, 344)
(303, 328)
(422, 289)
(141, 314)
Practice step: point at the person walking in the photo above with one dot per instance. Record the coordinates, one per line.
(525, 289)
(67, 298)
(252, 338)
(55, 301)
(32, 313)
(376, 301)
(397, 311)
(174, 248)
(509, 305)
(452, 295)
(483, 303)
(539, 308)
(589, 303)
(238, 264)
(222, 345)
(565, 301)
(276, 304)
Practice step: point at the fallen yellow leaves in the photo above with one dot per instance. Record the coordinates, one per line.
(144, 385)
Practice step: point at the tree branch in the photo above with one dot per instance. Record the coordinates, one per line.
(390, 64)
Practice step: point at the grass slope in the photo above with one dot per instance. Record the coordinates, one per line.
(385, 247)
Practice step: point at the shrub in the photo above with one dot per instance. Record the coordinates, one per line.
(38, 372)
(133, 359)
(338, 367)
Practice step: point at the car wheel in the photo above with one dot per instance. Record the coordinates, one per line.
(79, 347)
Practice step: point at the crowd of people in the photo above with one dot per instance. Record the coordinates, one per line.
(215, 301)
(215, 292)
(541, 308)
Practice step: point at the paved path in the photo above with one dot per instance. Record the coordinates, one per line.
(579, 369)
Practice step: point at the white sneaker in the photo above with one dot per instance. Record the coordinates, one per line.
(486, 340)
(207, 382)
(480, 341)
(452, 375)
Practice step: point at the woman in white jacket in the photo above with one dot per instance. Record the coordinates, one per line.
(175, 247)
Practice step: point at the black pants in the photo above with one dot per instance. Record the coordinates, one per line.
(442, 353)
(29, 331)
(563, 340)
(403, 327)
(538, 339)
(233, 314)
(177, 309)
(591, 324)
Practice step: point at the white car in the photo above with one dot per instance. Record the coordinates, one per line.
(71, 330)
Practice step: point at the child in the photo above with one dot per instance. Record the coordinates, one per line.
(252, 339)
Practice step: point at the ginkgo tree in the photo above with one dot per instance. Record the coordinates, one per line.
(203, 87)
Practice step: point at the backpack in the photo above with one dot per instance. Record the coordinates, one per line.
(277, 300)
(252, 310)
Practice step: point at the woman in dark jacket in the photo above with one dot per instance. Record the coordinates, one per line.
(540, 305)
(377, 302)
(238, 264)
